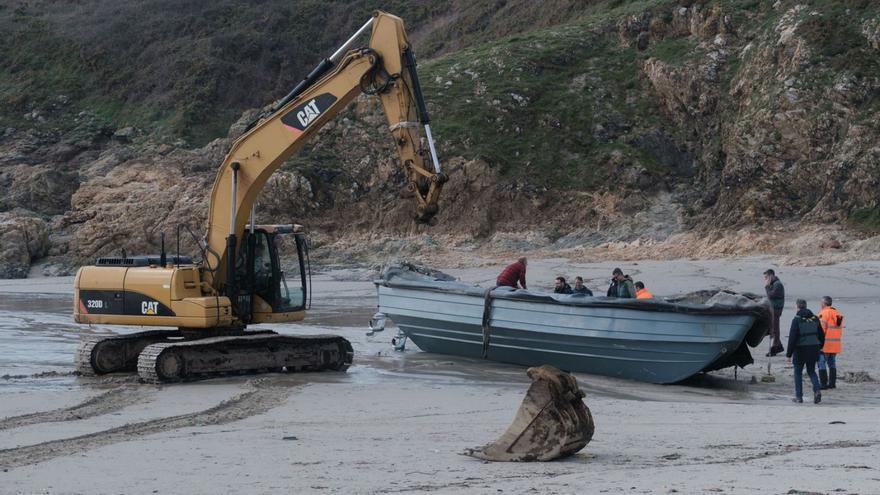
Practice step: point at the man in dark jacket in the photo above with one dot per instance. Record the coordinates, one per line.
(514, 273)
(621, 285)
(580, 288)
(776, 294)
(805, 338)
(562, 286)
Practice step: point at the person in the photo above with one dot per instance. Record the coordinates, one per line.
(580, 288)
(562, 286)
(832, 324)
(262, 267)
(621, 285)
(805, 338)
(776, 294)
(514, 273)
(642, 292)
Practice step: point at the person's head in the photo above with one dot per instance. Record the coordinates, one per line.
(801, 304)
(639, 285)
(523, 260)
(617, 274)
(769, 274)
(560, 282)
(826, 301)
(579, 282)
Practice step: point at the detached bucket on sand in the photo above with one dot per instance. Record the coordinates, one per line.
(551, 422)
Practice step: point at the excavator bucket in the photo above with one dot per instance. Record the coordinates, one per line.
(551, 422)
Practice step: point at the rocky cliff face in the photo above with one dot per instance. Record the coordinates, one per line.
(724, 124)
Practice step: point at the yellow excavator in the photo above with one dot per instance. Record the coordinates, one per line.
(239, 280)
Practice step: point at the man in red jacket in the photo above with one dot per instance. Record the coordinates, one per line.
(515, 272)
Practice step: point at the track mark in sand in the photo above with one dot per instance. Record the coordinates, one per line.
(242, 406)
(96, 406)
(782, 450)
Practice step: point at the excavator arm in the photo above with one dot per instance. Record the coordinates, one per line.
(385, 68)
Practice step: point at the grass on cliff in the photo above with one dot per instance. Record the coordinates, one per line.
(548, 106)
(865, 219)
(188, 69)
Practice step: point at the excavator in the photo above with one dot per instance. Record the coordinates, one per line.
(239, 281)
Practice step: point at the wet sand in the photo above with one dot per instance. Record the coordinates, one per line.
(396, 422)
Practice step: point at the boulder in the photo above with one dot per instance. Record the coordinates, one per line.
(24, 237)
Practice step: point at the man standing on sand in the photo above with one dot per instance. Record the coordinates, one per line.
(776, 294)
(832, 324)
(621, 285)
(514, 273)
(805, 338)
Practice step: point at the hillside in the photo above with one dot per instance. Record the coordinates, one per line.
(578, 125)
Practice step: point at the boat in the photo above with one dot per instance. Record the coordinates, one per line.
(650, 340)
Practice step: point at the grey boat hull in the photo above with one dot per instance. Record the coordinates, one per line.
(645, 341)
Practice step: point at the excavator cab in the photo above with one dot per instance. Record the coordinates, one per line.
(266, 292)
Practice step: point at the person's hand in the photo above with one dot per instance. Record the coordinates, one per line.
(788, 359)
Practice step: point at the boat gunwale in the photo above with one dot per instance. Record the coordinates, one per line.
(653, 305)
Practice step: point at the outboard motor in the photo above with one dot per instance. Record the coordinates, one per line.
(377, 323)
(399, 342)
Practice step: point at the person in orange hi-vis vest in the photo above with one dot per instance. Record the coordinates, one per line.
(642, 292)
(832, 323)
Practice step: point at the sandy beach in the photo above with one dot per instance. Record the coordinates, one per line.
(397, 422)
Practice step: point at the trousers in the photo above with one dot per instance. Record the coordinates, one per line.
(808, 360)
(828, 361)
(774, 331)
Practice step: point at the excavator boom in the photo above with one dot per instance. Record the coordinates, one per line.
(386, 68)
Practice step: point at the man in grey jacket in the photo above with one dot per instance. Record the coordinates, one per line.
(776, 294)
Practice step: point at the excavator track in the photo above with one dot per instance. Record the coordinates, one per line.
(219, 356)
(98, 355)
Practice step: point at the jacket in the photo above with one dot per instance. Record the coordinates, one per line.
(513, 273)
(805, 331)
(832, 324)
(623, 288)
(644, 294)
(583, 290)
(776, 293)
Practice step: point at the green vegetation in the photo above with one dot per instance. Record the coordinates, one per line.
(833, 30)
(865, 219)
(547, 106)
(675, 51)
(190, 74)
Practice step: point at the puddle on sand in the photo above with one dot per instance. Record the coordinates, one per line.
(39, 338)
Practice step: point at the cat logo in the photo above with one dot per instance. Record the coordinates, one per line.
(149, 307)
(304, 114)
(308, 114)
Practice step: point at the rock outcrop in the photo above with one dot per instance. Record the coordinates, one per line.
(24, 237)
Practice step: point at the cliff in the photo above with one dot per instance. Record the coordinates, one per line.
(693, 128)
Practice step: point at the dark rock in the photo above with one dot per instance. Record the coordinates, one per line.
(643, 40)
(663, 148)
(124, 134)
